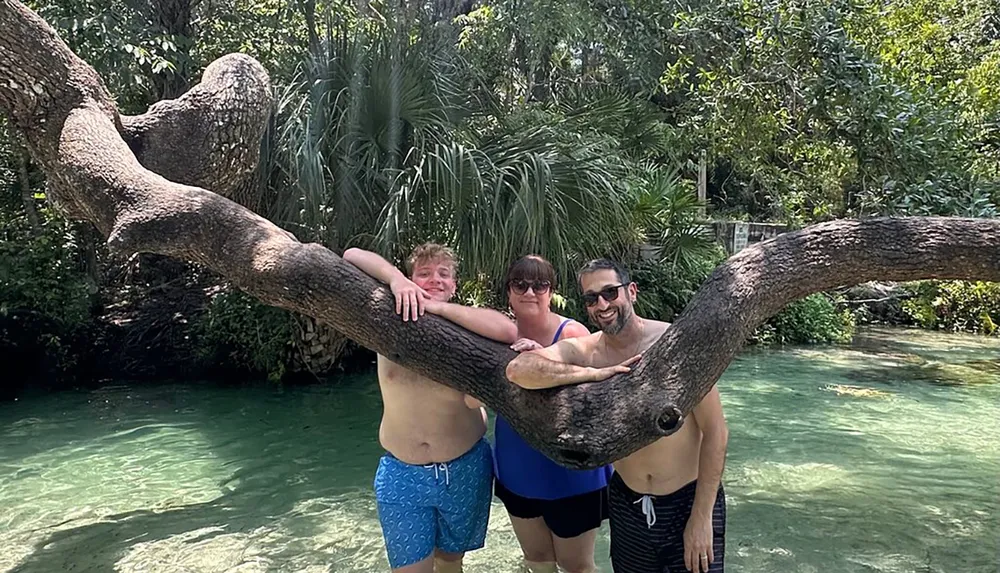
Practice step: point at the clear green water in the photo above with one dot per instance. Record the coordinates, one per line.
(821, 475)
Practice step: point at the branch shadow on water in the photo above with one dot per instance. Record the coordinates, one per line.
(99, 546)
(292, 464)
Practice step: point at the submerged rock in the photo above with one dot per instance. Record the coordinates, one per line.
(856, 391)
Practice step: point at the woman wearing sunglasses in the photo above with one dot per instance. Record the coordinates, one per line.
(555, 511)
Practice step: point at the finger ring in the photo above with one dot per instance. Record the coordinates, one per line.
(704, 556)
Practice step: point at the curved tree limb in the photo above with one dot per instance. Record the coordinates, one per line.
(75, 133)
(210, 136)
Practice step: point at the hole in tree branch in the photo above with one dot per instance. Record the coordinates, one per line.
(669, 421)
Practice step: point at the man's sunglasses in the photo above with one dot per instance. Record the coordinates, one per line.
(520, 286)
(607, 293)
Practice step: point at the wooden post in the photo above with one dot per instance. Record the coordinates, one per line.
(702, 183)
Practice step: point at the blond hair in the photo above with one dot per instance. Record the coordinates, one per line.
(431, 252)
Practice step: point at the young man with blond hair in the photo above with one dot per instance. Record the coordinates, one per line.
(434, 485)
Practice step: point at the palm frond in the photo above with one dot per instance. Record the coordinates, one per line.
(667, 213)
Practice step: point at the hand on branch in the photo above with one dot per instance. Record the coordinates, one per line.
(410, 299)
(524, 345)
(598, 374)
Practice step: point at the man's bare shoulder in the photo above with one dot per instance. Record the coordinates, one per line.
(578, 350)
(654, 328)
(586, 343)
(657, 326)
(708, 412)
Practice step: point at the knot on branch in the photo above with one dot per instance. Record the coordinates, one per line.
(669, 420)
(235, 70)
(210, 136)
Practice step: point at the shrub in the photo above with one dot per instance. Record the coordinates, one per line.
(239, 332)
(955, 305)
(41, 270)
(810, 320)
(45, 301)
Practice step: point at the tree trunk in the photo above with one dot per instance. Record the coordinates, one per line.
(173, 18)
(308, 9)
(75, 134)
(27, 193)
(318, 347)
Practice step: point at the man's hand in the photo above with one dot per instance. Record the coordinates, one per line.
(410, 298)
(598, 374)
(698, 554)
(524, 345)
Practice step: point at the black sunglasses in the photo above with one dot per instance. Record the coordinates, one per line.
(520, 286)
(609, 294)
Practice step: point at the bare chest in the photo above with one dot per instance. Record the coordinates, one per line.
(399, 382)
(667, 464)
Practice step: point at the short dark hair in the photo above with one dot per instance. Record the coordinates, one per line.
(530, 267)
(604, 265)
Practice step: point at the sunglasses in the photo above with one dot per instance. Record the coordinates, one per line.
(609, 294)
(520, 286)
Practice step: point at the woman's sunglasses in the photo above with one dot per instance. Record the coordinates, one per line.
(607, 293)
(520, 286)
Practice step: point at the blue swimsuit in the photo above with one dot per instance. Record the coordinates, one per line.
(445, 505)
(528, 473)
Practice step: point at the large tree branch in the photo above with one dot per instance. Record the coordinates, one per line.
(74, 133)
(209, 137)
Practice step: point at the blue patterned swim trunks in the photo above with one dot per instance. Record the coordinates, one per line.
(444, 505)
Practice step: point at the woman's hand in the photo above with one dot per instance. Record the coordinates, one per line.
(524, 345)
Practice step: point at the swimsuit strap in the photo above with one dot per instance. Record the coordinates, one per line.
(555, 338)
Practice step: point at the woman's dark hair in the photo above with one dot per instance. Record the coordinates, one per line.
(530, 268)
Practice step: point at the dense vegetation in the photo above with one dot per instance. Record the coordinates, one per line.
(570, 129)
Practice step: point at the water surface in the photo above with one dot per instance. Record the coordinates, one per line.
(882, 457)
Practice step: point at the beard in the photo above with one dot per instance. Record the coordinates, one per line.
(622, 316)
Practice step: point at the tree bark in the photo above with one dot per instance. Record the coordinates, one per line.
(76, 135)
(210, 136)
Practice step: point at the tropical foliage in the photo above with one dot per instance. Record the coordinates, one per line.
(814, 319)
(565, 128)
(41, 270)
(382, 143)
